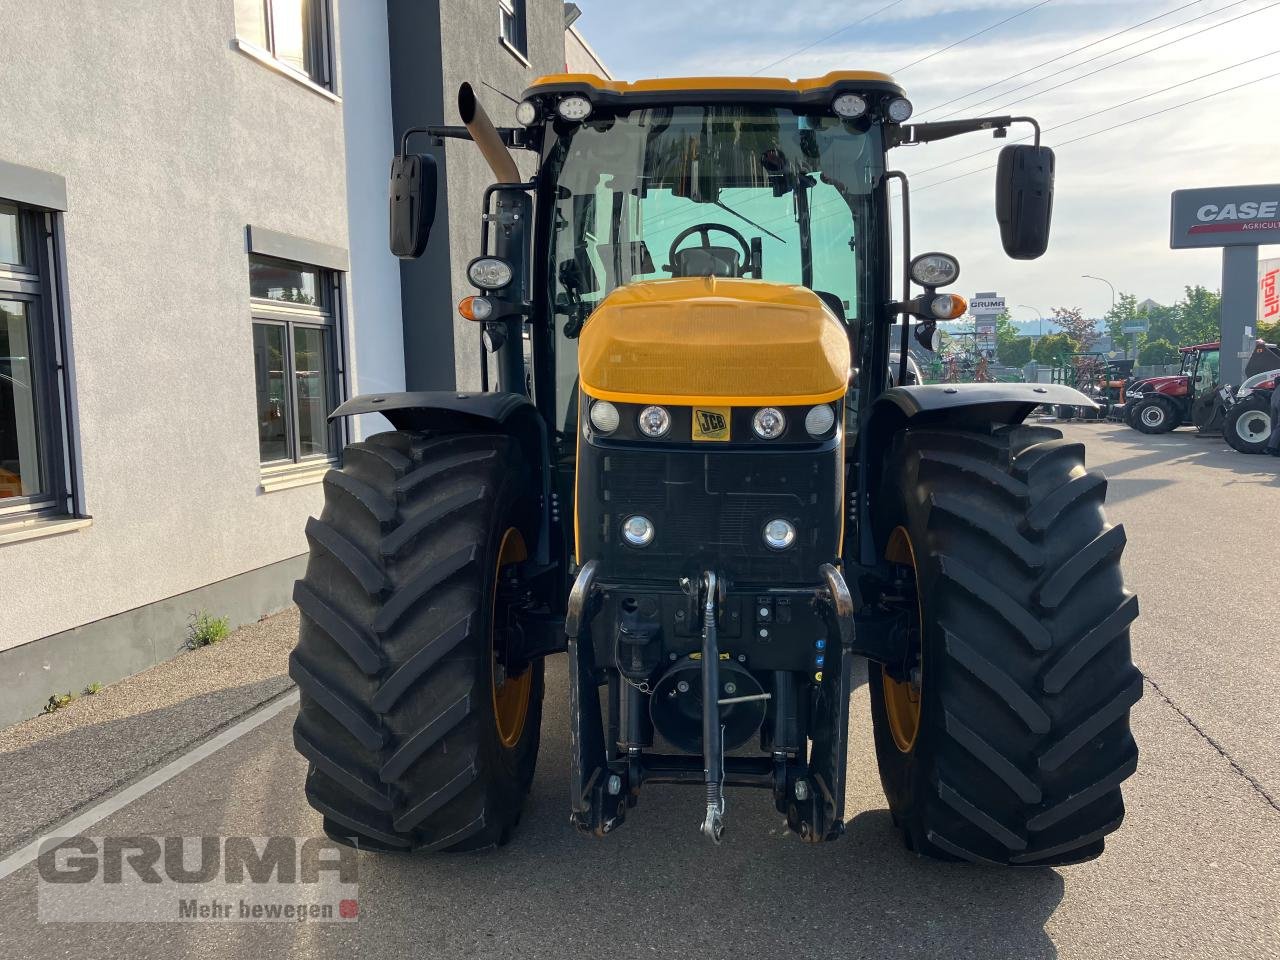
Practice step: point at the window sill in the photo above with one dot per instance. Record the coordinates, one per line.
(266, 59)
(294, 475)
(35, 529)
(514, 51)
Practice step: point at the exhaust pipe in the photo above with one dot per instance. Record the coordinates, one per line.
(486, 136)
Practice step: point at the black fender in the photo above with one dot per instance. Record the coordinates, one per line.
(948, 405)
(511, 413)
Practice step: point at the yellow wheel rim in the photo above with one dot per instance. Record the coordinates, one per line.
(901, 698)
(510, 694)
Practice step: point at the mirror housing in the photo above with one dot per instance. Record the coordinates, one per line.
(413, 203)
(1024, 199)
(929, 336)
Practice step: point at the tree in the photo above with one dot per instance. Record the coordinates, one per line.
(1270, 332)
(1079, 329)
(1200, 316)
(1014, 353)
(1124, 311)
(1162, 323)
(1155, 353)
(1054, 348)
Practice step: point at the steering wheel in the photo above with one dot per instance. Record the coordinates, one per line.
(704, 230)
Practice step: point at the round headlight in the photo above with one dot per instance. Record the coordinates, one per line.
(819, 420)
(935, 269)
(604, 416)
(899, 110)
(527, 113)
(769, 423)
(637, 531)
(489, 273)
(574, 108)
(849, 106)
(779, 534)
(654, 421)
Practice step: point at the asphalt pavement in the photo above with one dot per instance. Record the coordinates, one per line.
(1194, 872)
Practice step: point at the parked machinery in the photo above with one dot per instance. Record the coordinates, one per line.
(696, 506)
(1191, 396)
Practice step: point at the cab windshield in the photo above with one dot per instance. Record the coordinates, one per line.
(711, 190)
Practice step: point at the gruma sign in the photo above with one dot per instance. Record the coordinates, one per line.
(1225, 216)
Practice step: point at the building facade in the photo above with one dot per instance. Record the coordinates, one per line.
(193, 272)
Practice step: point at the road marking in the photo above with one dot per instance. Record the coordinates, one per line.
(77, 825)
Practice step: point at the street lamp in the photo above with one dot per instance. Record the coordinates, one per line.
(1037, 313)
(1090, 276)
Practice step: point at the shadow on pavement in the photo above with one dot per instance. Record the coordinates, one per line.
(1183, 446)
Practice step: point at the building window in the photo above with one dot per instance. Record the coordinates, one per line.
(512, 20)
(294, 32)
(296, 361)
(32, 451)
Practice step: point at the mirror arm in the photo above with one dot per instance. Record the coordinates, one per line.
(917, 133)
(514, 137)
(906, 273)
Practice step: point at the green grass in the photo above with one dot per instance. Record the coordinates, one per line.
(206, 630)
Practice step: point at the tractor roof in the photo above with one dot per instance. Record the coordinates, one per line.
(805, 91)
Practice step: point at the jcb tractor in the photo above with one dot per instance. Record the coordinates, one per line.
(688, 473)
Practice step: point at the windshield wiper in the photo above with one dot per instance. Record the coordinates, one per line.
(723, 206)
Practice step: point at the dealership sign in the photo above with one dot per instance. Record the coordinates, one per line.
(1268, 291)
(1225, 216)
(986, 305)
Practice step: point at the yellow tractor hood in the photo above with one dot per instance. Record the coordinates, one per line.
(711, 340)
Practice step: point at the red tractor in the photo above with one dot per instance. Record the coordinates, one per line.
(1161, 404)
(1247, 422)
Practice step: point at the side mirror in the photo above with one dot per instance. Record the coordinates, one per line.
(413, 203)
(1024, 199)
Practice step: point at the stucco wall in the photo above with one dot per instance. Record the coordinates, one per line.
(171, 141)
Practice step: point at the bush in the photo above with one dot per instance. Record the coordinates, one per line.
(206, 630)
(1015, 353)
(1157, 353)
(1054, 348)
(58, 701)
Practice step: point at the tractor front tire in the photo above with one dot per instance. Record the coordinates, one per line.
(416, 738)
(1154, 415)
(1005, 739)
(1248, 426)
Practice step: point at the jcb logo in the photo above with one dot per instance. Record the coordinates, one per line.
(711, 424)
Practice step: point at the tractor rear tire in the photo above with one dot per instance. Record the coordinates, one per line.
(1154, 415)
(1247, 426)
(1021, 734)
(395, 661)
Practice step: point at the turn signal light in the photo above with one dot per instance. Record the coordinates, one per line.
(475, 308)
(948, 306)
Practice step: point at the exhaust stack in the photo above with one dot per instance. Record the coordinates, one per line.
(486, 136)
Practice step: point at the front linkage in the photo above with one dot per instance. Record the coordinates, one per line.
(809, 790)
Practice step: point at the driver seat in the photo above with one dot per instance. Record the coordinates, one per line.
(706, 262)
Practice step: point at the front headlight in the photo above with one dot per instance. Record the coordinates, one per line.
(604, 416)
(779, 534)
(819, 420)
(654, 422)
(769, 423)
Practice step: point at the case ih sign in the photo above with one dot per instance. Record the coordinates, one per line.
(1225, 216)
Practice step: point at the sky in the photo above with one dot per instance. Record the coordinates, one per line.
(1111, 203)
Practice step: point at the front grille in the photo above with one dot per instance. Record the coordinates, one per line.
(709, 510)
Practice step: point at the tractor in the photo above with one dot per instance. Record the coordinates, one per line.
(686, 471)
(1191, 396)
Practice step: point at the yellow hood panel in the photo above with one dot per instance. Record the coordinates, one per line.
(712, 340)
